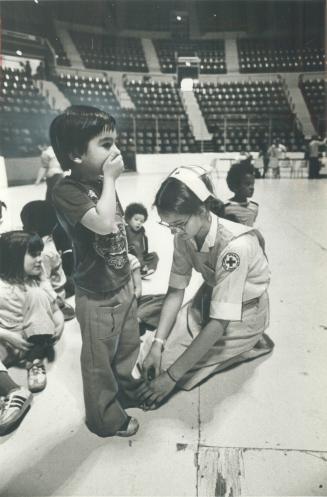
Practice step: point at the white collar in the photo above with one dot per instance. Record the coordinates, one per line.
(210, 239)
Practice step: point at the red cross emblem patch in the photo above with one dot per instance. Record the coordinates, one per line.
(231, 261)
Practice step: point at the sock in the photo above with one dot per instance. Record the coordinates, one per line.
(6, 383)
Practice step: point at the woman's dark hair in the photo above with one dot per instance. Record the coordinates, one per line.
(175, 196)
(38, 217)
(13, 247)
(133, 209)
(237, 173)
(71, 131)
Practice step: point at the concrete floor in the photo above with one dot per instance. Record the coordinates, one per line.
(257, 429)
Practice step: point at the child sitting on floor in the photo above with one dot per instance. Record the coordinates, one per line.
(135, 216)
(30, 319)
(39, 217)
(240, 180)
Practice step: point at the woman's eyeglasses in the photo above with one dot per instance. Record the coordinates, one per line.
(176, 228)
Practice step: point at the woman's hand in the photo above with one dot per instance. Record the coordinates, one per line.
(151, 367)
(16, 341)
(153, 393)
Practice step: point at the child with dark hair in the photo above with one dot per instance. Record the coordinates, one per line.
(240, 180)
(225, 321)
(30, 319)
(39, 217)
(88, 208)
(135, 216)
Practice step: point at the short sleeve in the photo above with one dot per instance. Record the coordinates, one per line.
(231, 273)
(71, 201)
(181, 269)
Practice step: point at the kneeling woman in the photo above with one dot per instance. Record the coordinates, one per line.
(225, 322)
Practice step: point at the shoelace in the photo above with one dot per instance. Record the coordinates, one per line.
(38, 369)
(14, 400)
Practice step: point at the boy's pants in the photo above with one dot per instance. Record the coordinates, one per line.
(110, 346)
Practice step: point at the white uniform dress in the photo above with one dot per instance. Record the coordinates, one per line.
(236, 275)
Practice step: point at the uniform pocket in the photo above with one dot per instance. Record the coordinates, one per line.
(107, 321)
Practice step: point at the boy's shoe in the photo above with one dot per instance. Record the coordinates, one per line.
(68, 311)
(13, 409)
(131, 429)
(36, 376)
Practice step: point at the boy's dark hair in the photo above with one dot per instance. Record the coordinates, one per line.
(237, 173)
(13, 247)
(38, 217)
(71, 131)
(133, 209)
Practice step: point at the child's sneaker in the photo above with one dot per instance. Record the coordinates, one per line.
(13, 408)
(130, 430)
(36, 376)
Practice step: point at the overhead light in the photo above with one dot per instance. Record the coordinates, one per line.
(178, 18)
(36, 1)
(19, 52)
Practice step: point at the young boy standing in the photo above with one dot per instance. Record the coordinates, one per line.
(83, 139)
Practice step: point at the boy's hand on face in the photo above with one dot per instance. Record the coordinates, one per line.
(114, 164)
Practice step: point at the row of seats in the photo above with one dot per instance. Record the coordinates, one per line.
(106, 52)
(241, 98)
(210, 53)
(244, 110)
(22, 137)
(153, 101)
(161, 101)
(25, 115)
(259, 56)
(89, 91)
(163, 141)
(315, 95)
(237, 139)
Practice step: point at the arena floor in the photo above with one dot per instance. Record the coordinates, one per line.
(258, 429)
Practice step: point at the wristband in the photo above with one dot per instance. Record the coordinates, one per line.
(171, 376)
(160, 340)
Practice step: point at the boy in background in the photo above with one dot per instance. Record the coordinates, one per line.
(135, 217)
(240, 180)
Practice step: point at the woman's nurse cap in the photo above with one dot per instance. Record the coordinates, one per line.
(191, 177)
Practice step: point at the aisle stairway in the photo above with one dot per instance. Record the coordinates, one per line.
(150, 55)
(196, 120)
(300, 106)
(68, 44)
